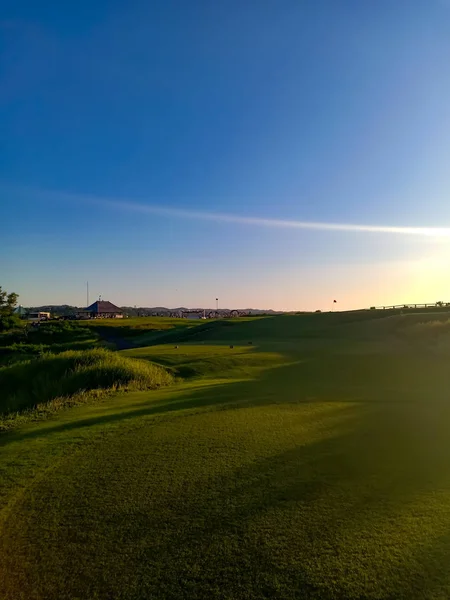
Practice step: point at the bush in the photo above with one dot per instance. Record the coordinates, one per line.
(27, 384)
(8, 322)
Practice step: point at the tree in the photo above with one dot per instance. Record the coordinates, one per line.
(7, 304)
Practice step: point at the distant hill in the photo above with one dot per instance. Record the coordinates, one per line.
(142, 311)
(162, 310)
(55, 309)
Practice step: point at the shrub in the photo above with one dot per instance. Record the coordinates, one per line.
(25, 385)
(8, 322)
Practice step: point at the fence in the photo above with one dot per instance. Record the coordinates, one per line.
(406, 306)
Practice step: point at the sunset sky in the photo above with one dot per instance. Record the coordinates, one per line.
(272, 154)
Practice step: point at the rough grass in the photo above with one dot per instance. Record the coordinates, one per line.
(54, 337)
(429, 329)
(52, 378)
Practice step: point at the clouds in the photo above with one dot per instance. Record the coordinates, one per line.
(150, 208)
(255, 221)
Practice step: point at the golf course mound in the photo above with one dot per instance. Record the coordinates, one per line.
(364, 324)
(60, 376)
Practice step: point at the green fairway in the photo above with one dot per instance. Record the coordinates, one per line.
(137, 330)
(312, 463)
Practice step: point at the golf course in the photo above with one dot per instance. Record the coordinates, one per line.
(289, 457)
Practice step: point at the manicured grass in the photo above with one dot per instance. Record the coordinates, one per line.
(308, 465)
(211, 361)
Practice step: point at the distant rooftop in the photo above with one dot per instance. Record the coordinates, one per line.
(103, 306)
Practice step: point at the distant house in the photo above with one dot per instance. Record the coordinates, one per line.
(102, 309)
(36, 317)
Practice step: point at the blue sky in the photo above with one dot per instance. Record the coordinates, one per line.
(127, 131)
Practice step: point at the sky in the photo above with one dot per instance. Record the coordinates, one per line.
(270, 154)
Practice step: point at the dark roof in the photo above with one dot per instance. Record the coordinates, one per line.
(103, 306)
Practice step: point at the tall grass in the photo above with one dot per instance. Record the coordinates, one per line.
(63, 376)
(428, 330)
(55, 337)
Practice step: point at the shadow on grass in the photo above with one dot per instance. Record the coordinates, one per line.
(351, 515)
(207, 396)
(274, 327)
(318, 520)
(125, 337)
(316, 379)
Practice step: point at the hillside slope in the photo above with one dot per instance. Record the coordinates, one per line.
(358, 324)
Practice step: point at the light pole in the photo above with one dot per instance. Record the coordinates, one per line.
(217, 304)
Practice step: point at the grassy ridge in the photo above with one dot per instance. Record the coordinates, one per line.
(50, 377)
(54, 336)
(135, 324)
(210, 361)
(369, 325)
(58, 336)
(30, 383)
(137, 330)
